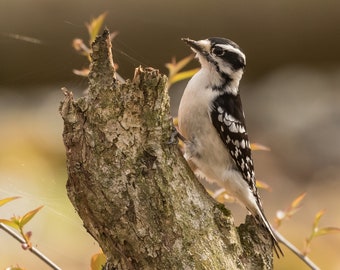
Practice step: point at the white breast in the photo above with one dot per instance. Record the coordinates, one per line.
(195, 125)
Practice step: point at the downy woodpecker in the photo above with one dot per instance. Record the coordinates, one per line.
(211, 119)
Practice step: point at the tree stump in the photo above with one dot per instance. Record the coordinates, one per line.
(134, 191)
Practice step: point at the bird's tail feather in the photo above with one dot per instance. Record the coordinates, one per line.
(261, 218)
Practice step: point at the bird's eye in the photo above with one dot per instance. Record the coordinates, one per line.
(218, 51)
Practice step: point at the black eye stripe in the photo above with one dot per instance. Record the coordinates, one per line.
(235, 60)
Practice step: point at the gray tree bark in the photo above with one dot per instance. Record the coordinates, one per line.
(134, 192)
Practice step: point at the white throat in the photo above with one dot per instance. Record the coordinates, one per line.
(234, 84)
(215, 78)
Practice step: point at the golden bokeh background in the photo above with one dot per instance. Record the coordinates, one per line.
(290, 91)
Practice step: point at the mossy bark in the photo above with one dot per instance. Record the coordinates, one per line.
(134, 191)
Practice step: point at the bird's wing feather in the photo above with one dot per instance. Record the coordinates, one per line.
(227, 116)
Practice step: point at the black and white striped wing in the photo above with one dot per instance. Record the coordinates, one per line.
(227, 117)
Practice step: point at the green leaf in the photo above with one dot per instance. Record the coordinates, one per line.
(14, 223)
(326, 230)
(290, 211)
(14, 268)
(95, 25)
(6, 200)
(259, 147)
(182, 75)
(81, 72)
(28, 216)
(298, 200)
(98, 261)
(317, 218)
(295, 205)
(174, 67)
(263, 185)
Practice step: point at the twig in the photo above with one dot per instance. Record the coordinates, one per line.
(297, 252)
(34, 250)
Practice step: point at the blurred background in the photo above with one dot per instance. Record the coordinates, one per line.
(290, 91)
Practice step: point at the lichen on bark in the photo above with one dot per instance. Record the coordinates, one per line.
(133, 190)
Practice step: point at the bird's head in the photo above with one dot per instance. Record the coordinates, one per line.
(220, 56)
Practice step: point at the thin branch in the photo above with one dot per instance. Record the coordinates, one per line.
(34, 250)
(295, 250)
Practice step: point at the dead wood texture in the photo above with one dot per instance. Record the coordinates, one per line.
(134, 192)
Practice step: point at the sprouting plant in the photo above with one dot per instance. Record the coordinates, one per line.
(317, 231)
(294, 207)
(175, 74)
(18, 223)
(93, 29)
(7, 200)
(291, 210)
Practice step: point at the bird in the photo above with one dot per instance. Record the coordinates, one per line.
(211, 122)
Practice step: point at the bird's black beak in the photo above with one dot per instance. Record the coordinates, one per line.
(197, 46)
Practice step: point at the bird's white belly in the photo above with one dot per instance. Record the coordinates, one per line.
(213, 160)
(210, 156)
(204, 146)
